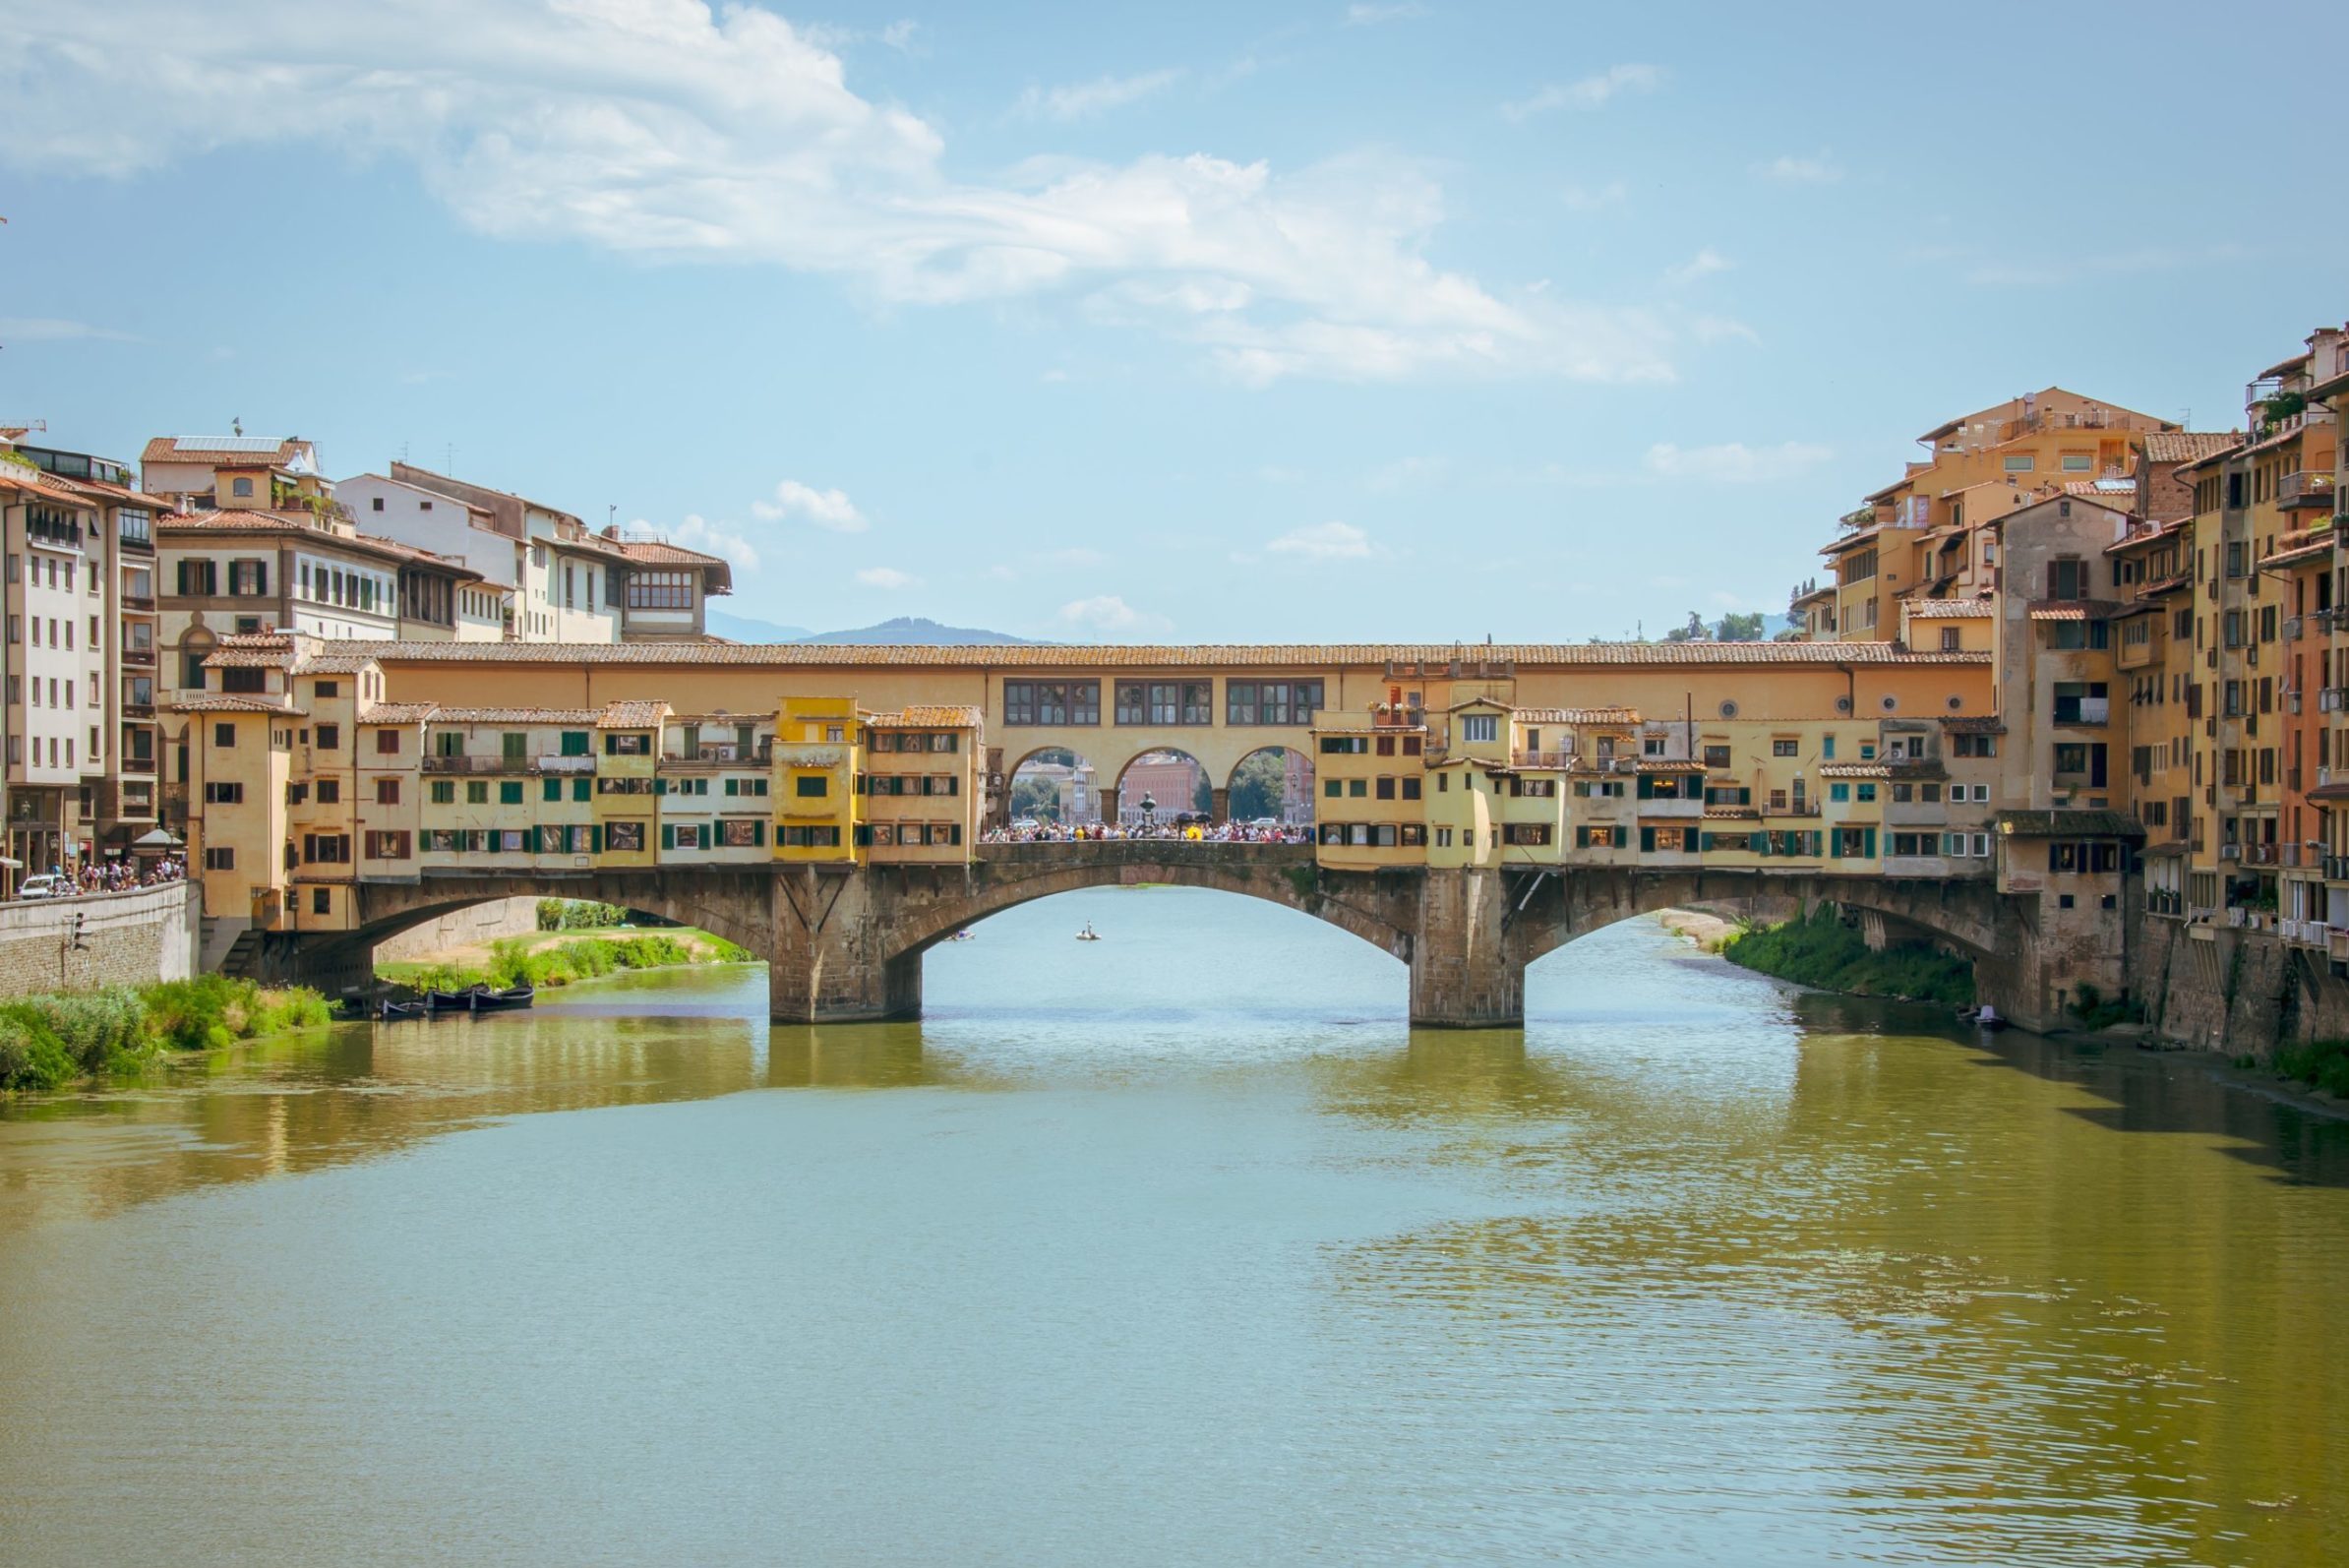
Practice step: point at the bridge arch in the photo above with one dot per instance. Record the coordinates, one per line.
(1247, 798)
(1962, 915)
(1175, 795)
(1385, 919)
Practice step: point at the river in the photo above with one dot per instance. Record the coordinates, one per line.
(1177, 1248)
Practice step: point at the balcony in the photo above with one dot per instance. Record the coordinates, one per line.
(137, 710)
(2292, 629)
(140, 602)
(509, 766)
(2336, 941)
(139, 764)
(2305, 491)
(2083, 710)
(1551, 760)
(143, 658)
(2259, 854)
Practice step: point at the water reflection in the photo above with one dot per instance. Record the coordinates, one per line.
(1104, 1260)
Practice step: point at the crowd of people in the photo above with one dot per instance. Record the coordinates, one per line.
(1195, 830)
(122, 875)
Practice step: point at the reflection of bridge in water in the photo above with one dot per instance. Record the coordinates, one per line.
(845, 942)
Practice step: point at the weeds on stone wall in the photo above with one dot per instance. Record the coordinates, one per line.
(1821, 951)
(47, 1042)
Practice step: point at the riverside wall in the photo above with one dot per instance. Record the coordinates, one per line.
(475, 926)
(2233, 990)
(96, 939)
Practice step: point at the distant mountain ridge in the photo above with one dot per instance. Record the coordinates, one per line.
(902, 630)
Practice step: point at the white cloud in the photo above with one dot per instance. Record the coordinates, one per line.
(1704, 264)
(1084, 100)
(1590, 92)
(1325, 541)
(827, 509)
(1710, 329)
(899, 35)
(885, 577)
(1735, 462)
(670, 131)
(1364, 15)
(1819, 169)
(55, 330)
(720, 539)
(1408, 472)
(1106, 612)
(2076, 269)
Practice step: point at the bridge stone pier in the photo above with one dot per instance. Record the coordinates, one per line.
(845, 944)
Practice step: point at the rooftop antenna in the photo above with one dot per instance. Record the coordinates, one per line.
(448, 457)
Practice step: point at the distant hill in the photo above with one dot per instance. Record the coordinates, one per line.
(911, 630)
(743, 628)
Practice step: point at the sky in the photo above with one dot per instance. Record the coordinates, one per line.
(1422, 321)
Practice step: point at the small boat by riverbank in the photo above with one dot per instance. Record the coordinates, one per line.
(390, 1012)
(480, 998)
(1088, 934)
(1984, 1017)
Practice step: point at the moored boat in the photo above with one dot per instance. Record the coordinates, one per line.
(486, 1000)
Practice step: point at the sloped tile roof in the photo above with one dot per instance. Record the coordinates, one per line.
(584, 718)
(193, 449)
(1606, 715)
(2189, 445)
(397, 713)
(232, 703)
(631, 715)
(930, 715)
(2074, 609)
(1949, 608)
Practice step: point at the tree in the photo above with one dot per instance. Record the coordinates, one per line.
(1745, 628)
(1256, 785)
(1694, 632)
(1035, 796)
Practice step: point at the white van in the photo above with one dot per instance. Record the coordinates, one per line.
(43, 885)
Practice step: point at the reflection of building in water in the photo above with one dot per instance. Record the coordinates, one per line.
(1170, 780)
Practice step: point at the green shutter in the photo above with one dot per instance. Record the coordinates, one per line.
(1622, 837)
(668, 836)
(1647, 840)
(595, 839)
(583, 789)
(1868, 843)
(551, 790)
(758, 833)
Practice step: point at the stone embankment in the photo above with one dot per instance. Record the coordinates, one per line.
(94, 939)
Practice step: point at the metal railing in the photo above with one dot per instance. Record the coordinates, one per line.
(510, 765)
(2305, 488)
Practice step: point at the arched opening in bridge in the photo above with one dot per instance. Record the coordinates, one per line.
(1271, 787)
(1186, 963)
(1051, 787)
(1161, 788)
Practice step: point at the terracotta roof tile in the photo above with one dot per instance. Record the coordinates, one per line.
(1855, 770)
(1976, 724)
(1949, 608)
(397, 713)
(661, 553)
(334, 664)
(929, 715)
(302, 522)
(2189, 445)
(631, 715)
(168, 449)
(232, 702)
(583, 717)
(1308, 657)
(1669, 764)
(2074, 609)
(247, 659)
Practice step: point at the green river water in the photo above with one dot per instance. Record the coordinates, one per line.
(1179, 1248)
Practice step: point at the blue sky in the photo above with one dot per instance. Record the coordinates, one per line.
(1214, 322)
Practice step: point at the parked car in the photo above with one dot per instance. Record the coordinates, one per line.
(43, 885)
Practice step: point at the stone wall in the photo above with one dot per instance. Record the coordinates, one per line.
(2241, 992)
(474, 927)
(100, 939)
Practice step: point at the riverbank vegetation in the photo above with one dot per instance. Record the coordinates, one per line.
(1821, 950)
(556, 961)
(2321, 1064)
(48, 1041)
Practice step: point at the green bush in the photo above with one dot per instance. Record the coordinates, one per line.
(2325, 1065)
(48, 1041)
(98, 1029)
(32, 1057)
(1821, 950)
(576, 914)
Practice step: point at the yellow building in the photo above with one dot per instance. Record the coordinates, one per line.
(818, 755)
(922, 784)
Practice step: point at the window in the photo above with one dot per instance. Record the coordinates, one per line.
(1717, 756)
(1525, 833)
(1166, 702)
(1345, 744)
(199, 578)
(624, 836)
(219, 860)
(476, 792)
(582, 788)
(247, 579)
(387, 792)
(327, 849)
(1783, 747)
(1271, 702)
(444, 792)
(2020, 462)
(386, 743)
(810, 837)
(322, 901)
(1040, 702)
(329, 792)
(1357, 789)
(812, 786)
(224, 737)
(658, 591)
(223, 794)
(1950, 639)
(627, 745)
(509, 792)
(330, 736)
(387, 845)
(1475, 727)
(328, 689)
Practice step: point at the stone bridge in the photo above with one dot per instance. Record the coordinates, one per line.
(846, 943)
